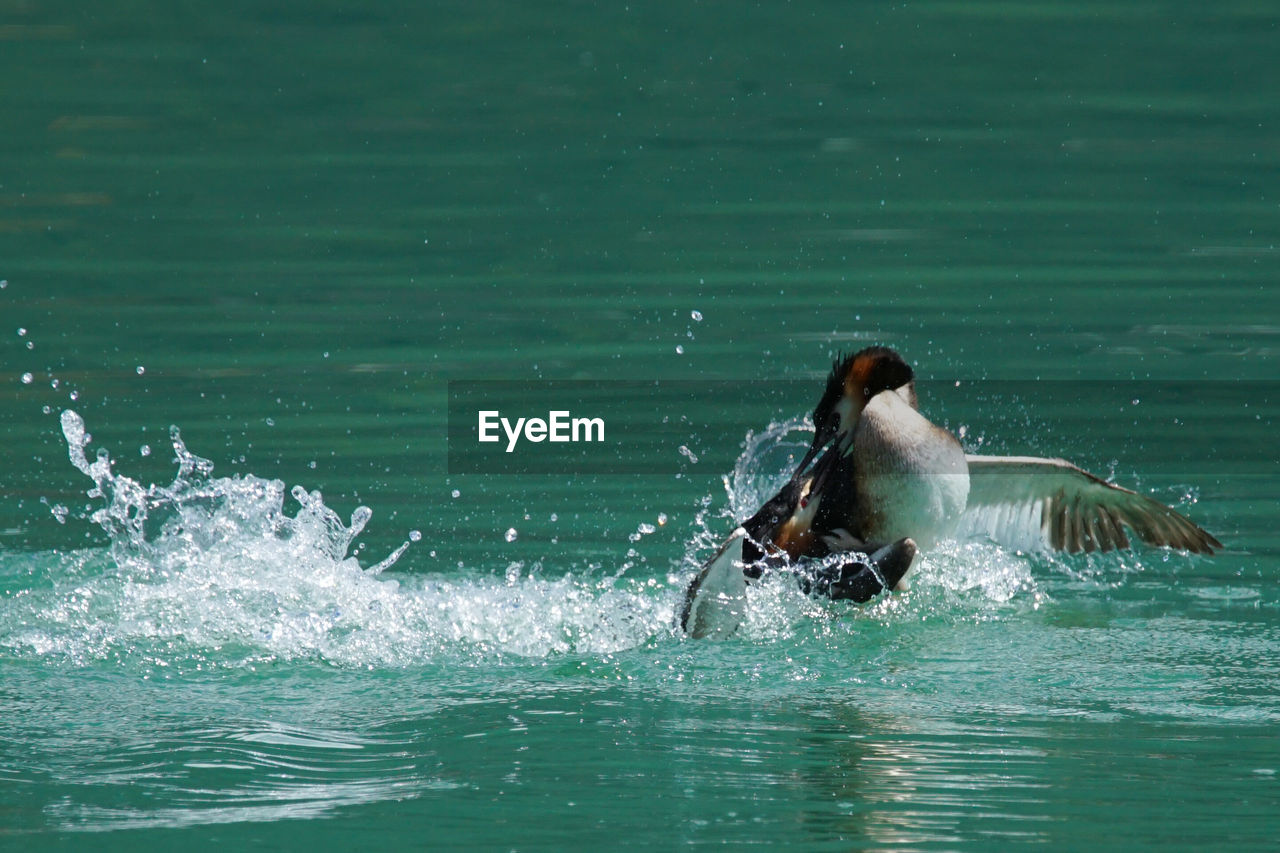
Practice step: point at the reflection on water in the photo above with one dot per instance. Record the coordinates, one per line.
(873, 764)
(268, 772)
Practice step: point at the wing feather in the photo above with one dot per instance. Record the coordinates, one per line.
(1115, 532)
(1033, 503)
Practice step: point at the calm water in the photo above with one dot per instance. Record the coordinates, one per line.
(286, 227)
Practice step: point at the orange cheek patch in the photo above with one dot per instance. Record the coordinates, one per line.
(858, 377)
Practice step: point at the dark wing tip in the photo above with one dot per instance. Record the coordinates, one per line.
(1205, 542)
(1073, 526)
(1165, 527)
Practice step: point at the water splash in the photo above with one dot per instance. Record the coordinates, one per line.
(953, 580)
(766, 461)
(212, 571)
(203, 513)
(201, 565)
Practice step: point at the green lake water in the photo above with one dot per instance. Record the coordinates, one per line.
(287, 228)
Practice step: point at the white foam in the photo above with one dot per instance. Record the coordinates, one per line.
(213, 571)
(208, 567)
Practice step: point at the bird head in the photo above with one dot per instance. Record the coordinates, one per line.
(854, 380)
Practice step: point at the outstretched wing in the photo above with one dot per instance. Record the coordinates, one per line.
(1032, 503)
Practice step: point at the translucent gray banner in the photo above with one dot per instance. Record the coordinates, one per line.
(1192, 428)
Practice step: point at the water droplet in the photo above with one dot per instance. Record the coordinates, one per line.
(59, 512)
(511, 534)
(31, 345)
(679, 349)
(687, 453)
(456, 493)
(27, 379)
(145, 450)
(415, 535)
(644, 529)
(74, 395)
(140, 370)
(662, 518)
(22, 332)
(555, 517)
(696, 315)
(312, 464)
(271, 422)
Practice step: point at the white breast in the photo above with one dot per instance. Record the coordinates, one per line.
(913, 479)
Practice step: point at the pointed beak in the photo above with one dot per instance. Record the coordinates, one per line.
(820, 440)
(823, 470)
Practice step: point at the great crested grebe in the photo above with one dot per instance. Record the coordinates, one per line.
(890, 480)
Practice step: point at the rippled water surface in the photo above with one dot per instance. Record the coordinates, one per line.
(283, 229)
